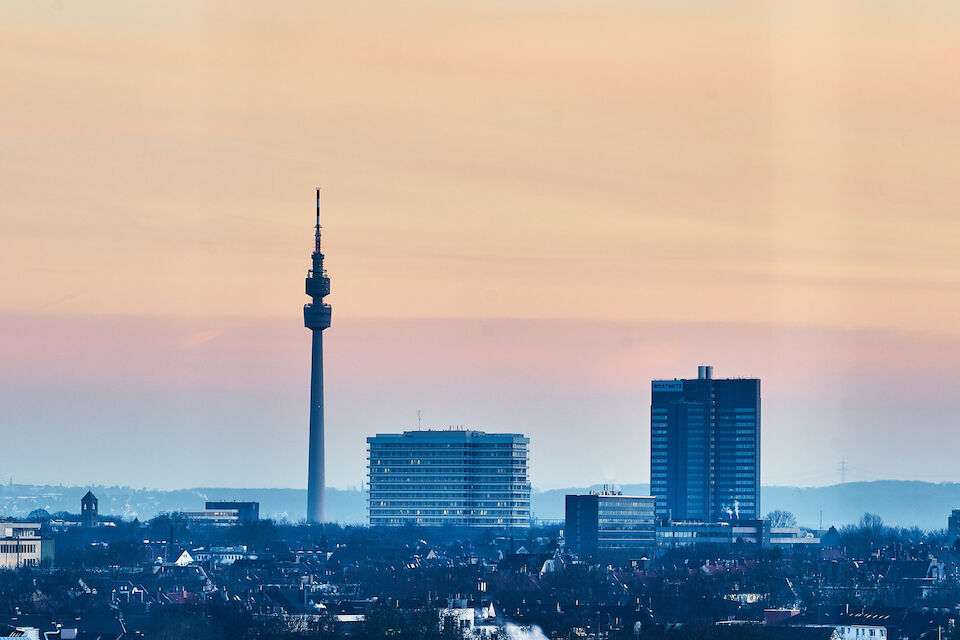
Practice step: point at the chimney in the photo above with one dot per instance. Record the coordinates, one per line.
(701, 372)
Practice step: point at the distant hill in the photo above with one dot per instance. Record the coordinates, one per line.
(898, 502)
(902, 503)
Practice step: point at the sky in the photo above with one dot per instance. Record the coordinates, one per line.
(531, 209)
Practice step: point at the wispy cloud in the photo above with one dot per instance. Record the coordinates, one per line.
(200, 338)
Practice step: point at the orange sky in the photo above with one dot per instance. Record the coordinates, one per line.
(771, 164)
(597, 160)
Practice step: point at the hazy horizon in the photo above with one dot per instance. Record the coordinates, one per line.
(535, 489)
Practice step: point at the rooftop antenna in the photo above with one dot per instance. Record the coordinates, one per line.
(419, 419)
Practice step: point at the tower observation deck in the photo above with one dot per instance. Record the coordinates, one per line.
(316, 317)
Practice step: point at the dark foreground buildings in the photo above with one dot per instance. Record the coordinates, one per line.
(705, 448)
(453, 478)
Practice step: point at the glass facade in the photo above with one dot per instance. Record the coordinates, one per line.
(455, 478)
(705, 448)
(609, 522)
(688, 534)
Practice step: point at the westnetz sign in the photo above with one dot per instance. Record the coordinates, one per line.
(673, 385)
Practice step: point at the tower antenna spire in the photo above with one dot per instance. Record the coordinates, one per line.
(318, 221)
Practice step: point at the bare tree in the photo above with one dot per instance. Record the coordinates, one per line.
(871, 521)
(780, 518)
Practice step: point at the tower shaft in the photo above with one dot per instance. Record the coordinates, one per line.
(316, 479)
(316, 317)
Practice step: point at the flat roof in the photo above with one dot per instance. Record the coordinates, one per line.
(609, 495)
(447, 435)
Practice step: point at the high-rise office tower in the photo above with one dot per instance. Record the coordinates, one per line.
(705, 448)
(456, 478)
(316, 317)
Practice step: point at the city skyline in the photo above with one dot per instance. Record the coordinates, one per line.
(516, 249)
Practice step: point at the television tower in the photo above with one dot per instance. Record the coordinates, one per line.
(316, 317)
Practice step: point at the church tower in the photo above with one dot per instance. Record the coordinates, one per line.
(89, 510)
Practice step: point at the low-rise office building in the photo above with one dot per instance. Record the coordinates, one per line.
(21, 545)
(213, 517)
(247, 512)
(608, 521)
(225, 514)
(674, 535)
(794, 537)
